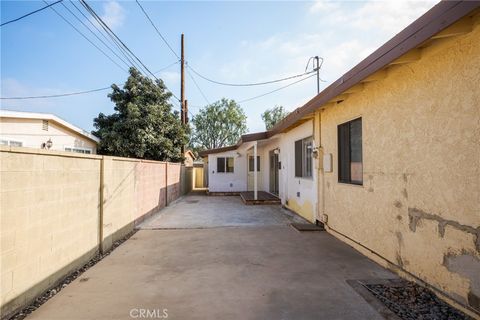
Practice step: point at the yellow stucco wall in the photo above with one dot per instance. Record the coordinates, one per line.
(419, 206)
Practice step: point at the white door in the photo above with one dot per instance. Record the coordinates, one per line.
(250, 178)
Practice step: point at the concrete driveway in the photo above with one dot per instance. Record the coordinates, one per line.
(200, 211)
(241, 263)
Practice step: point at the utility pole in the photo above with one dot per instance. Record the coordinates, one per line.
(317, 59)
(182, 83)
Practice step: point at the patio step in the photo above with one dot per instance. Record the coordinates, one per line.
(262, 198)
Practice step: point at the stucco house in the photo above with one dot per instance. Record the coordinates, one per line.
(388, 156)
(44, 131)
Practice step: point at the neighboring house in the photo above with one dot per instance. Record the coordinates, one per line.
(189, 158)
(44, 131)
(388, 156)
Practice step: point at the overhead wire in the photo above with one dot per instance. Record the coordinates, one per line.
(198, 87)
(156, 29)
(122, 47)
(61, 94)
(278, 89)
(109, 39)
(85, 37)
(124, 52)
(94, 34)
(55, 95)
(171, 49)
(164, 68)
(30, 13)
(123, 44)
(250, 84)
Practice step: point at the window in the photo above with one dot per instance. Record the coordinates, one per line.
(16, 143)
(78, 150)
(350, 165)
(45, 125)
(11, 143)
(251, 165)
(303, 158)
(224, 164)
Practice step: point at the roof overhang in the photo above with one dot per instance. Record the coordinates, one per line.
(429, 25)
(244, 138)
(50, 117)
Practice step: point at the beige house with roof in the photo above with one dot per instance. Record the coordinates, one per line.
(388, 156)
(44, 131)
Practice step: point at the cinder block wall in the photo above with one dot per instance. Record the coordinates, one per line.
(58, 209)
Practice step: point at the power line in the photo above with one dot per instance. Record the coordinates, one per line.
(94, 34)
(55, 95)
(85, 37)
(124, 52)
(113, 36)
(156, 29)
(198, 87)
(67, 94)
(28, 14)
(250, 84)
(278, 89)
(109, 39)
(116, 37)
(164, 68)
(123, 44)
(160, 35)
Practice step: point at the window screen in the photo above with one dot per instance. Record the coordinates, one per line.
(303, 158)
(251, 165)
(225, 164)
(229, 164)
(298, 158)
(350, 162)
(220, 164)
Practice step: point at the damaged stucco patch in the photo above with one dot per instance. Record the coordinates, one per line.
(415, 215)
(468, 266)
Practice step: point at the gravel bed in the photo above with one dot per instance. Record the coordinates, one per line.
(410, 301)
(69, 278)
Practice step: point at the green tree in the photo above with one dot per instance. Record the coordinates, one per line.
(273, 116)
(143, 124)
(218, 125)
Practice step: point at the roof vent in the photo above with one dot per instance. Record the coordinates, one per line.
(45, 125)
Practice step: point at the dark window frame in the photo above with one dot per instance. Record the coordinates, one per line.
(225, 168)
(345, 147)
(251, 164)
(303, 158)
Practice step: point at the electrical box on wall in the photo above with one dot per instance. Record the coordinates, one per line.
(327, 162)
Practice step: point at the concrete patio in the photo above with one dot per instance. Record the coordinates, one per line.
(215, 258)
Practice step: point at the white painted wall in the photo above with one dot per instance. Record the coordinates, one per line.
(30, 132)
(301, 193)
(235, 181)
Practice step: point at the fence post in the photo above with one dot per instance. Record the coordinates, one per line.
(102, 197)
(166, 184)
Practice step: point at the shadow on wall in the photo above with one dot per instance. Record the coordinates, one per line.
(108, 197)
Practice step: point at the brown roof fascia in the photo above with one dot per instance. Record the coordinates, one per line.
(216, 150)
(244, 138)
(433, 21)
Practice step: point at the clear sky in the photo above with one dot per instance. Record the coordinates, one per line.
(227, 41)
